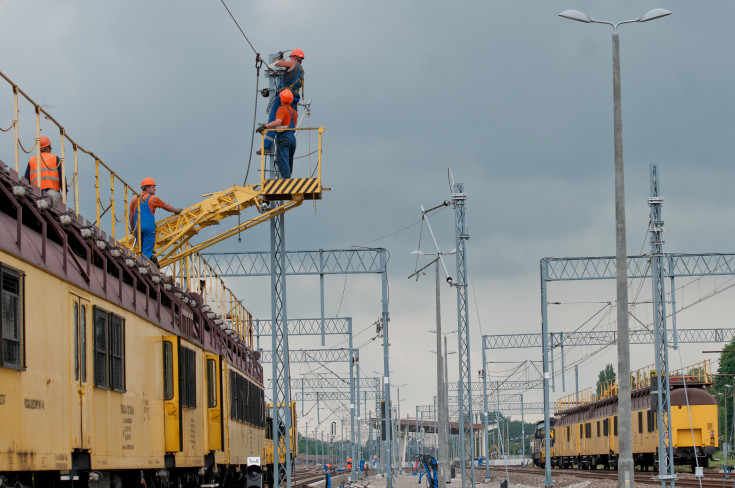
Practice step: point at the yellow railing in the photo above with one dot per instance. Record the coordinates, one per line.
(88, 169)
(318, 169)
(640, 378)
(195, 274)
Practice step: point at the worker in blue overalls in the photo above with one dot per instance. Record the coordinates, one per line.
(293, 79)
(286, 116)
(147, 221)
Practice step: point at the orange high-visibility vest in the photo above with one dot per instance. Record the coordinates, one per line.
(49, 172)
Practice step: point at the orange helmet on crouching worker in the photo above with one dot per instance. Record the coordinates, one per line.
(147, 182)
(286, 96)
(44, 142)
(298, 53)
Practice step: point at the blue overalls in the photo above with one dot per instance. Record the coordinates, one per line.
(147, 227)
(295, 86)
(286, 147)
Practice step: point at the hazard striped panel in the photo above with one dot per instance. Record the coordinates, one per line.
(282, 189)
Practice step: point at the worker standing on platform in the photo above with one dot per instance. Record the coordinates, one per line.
(285, 117)
(293, 79)
(50, 171)
(147, 220)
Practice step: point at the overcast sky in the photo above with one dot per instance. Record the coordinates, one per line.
(514, 99)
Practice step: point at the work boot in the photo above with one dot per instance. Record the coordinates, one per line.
(267, 152)
(154, 260)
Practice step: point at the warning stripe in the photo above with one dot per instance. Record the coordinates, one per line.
(291, 186)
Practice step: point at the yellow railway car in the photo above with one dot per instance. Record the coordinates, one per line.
(586, 434)
(108, 378)
(268, 461)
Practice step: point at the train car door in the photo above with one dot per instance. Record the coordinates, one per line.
(80, 330)
(171, 405)
(215, 427)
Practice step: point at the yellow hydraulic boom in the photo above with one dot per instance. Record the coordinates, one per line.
(270, 197)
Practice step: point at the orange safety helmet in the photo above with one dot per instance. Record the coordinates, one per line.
(298, 53)
(286, 96)
(147, 182)
(45, 141)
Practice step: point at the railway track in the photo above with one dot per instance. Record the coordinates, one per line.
(709, 480)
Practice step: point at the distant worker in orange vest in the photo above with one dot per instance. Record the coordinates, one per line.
(50, 172)
(147, 220)
(349, 463)
(286, 116)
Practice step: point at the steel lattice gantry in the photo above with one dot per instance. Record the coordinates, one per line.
(534, 384)
(321, 263)
(640, 267)
(604, 338)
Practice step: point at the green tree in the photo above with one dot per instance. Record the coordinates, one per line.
(724, 385)
(604, 376)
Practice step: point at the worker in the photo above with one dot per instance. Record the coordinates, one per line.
(285, 117)
(147, 220)
(51, 174)
(293, 79)
(349, 463)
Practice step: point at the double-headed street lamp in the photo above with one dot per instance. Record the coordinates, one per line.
(625, 458)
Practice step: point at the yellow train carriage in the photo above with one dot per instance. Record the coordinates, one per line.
(268, 450)
(587, 436)
(106, 377)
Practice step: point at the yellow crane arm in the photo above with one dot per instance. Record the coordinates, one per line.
(174, 232)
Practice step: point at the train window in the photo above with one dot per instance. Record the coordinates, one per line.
(76, 340)
(598, 428)
(187, 377)
(605, 428)
(80, 341)
(12, 332)
(83, 342)
(581, 431)
(117, 353)
(168, 370)
(640, 422)
(588, 430)
(109, 350)
(211, 383)
(569, 433)
(615, 425)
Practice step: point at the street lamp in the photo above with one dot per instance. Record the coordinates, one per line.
(625, 462)
(443, 453)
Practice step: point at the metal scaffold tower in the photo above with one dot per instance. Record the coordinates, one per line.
(465, 384)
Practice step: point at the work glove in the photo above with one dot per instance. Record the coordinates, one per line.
(261, 128)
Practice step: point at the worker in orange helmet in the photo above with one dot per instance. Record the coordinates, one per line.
(147, 220)
(285, 117)
(293, 79)
(49, 172)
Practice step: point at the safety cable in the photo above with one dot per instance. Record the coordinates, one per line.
(11, 126)
(238, 26)
(24, 149)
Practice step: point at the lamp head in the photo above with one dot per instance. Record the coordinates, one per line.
(654, 14)
(579, 16)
